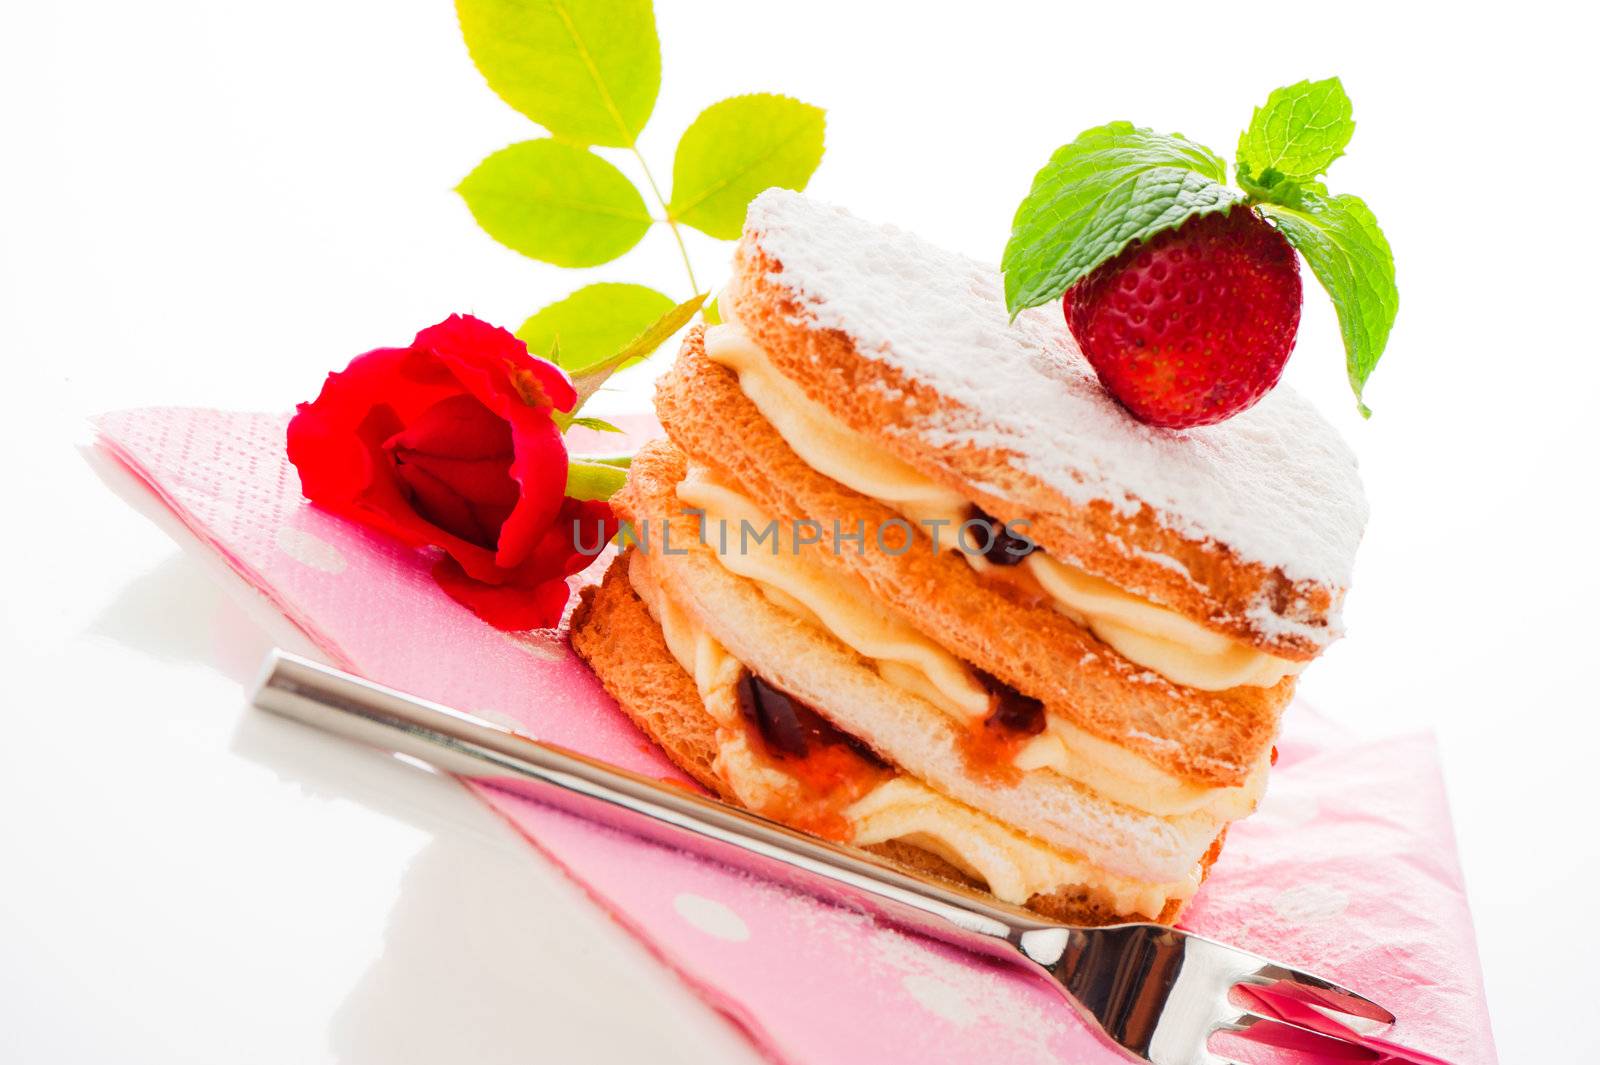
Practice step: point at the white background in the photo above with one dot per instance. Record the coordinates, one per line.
(214, 204)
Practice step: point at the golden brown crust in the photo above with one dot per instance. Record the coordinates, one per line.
(612, 631)
(1221, 590)
(1210, 738)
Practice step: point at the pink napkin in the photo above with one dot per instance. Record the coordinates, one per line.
(1349, 868)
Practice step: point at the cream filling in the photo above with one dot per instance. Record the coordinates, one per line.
(1182, 650)
(795, 584)
(828, 446)
(1118, 774)
(1160, 639)
(906, 658)
(1013, 866)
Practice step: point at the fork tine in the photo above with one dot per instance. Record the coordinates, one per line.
(1289, 1035)
(1354, 1010)
(1369, 1017)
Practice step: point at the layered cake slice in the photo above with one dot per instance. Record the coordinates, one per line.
(906, 577)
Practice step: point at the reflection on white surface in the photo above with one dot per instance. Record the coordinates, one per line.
(203, 883)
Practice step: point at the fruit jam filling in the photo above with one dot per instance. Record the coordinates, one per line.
(1003, 548)
(989, 746)
(833, 768)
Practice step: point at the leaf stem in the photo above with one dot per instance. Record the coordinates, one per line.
(672, 224)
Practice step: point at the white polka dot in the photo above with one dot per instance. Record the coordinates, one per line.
(711, 917)
(1308, 903)
(309, 550)
(939, 998)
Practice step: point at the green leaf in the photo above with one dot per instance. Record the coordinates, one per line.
(593, 322)
(557, 203)
(586, 70)
(594, 480)
(737, 148)
(598, 425)
(648, 340)
(713, 311)
(622, 462)
(1344, 247)
(1114, 185)
(1294, 136)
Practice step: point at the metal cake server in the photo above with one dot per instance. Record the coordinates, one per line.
(1156, 992)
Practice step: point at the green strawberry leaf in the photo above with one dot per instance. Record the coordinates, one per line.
(556, 202)
(1114, 185)
(649, 339)
(1293, 137)
(737, 148)
(594, 480)
(586, 70)
(593, 322)
(1344, 247)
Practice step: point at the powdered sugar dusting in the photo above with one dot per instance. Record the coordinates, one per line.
(1276, 483)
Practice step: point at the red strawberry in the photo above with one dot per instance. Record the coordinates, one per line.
(1193, 325)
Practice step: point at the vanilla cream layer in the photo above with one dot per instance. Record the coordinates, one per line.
(1161, 640)
(793, 583)
(1013, 866)
(842, 607)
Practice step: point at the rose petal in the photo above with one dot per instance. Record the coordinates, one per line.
(455, 460)
(458, 427)
(441, 504)
(480, 355)
(540, 470)
(513, 606)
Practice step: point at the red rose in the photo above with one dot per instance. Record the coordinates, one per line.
(452, 443)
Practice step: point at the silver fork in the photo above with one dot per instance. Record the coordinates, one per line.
(1156, 992)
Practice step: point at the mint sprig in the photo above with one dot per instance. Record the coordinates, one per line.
(1294, 136)
(1117, 184)
(1289, 144)
(1349, 255)
(589, 72)
(1114, 185)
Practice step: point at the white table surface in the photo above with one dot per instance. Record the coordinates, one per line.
(214, 205)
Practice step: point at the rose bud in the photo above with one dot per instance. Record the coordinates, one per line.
(452, 443)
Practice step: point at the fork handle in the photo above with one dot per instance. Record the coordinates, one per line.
(349, 706)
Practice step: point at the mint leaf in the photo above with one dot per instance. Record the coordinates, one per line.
(737, 148)
(1114, 185)
(593, 322)
(586, 70)
(1344, 247)
(594, 480)
(649, 339)
(1293, 137)
(556, 202)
